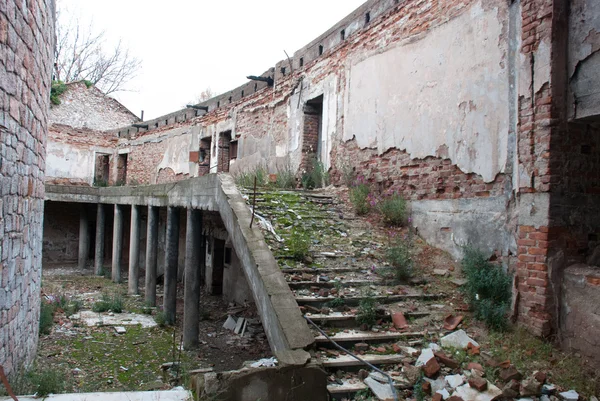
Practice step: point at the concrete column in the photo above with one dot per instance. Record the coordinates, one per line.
(151, 254)
(99, 248)
(84, 239)
(191, 309)
(134, 251)
(117, 244)
(171, 262)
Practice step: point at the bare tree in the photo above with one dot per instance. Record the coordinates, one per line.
(203, 96)
(82, 54)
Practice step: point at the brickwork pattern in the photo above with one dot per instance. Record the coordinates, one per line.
(26, 49)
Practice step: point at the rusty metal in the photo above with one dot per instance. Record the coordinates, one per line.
(7, 384)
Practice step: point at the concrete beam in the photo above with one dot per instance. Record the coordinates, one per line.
(99, 248)
(171, 259)
(193, 259)
(151, 254)
(117, 244)
(134, 251)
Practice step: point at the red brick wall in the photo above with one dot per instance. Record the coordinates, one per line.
(430, 178)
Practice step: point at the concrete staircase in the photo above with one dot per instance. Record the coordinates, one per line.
(343, 269)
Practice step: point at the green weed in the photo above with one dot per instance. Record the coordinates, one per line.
(393, 209)
(359, 196)
(299, 244)
(112, 303)
(400, 258)
(46, 317)
(367, 311)
(488, 289)
(316, 176)
(246, 178)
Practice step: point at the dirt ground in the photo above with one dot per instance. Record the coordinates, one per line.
(98, 359)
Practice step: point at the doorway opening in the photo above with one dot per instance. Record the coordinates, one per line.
(311, 135)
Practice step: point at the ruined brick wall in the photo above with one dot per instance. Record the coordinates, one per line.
(72, 154)
(26, 49)
(83, 107)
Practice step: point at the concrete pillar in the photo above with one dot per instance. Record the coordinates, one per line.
(191, 309)
(171, 262)
(84, 239)
(151, 254)
(134, 251)
(117, 244)
(99, 248)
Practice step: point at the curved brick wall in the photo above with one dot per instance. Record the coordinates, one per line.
(26, 49)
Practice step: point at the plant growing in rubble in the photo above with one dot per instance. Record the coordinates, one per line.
(246, 178)
(400, 258)
(488, 289)
(298, 244)
(316, 176)
(113, 303)
(367, 311)
(359, 196)
(336, 302)
(46, 317)
(393, 209)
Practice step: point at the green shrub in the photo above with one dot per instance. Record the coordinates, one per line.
(112, 303)
(336, 302)
(46, 317)
(347, 172)
(393, 210)
(47, 381)
(285, 179)
(161, 318)
(359, 196)
(400, 258)
(488, 289)
(57, 89)
(316, 176)
(298, 243)
(367, 311)
(246, 178)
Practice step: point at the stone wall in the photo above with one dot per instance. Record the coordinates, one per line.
(26, 50)
(83, 107)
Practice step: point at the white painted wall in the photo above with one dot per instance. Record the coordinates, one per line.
(447, 89)
(66, 161)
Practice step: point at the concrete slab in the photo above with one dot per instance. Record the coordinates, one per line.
(358, 336)
(90, 318)
(347, 360)
(169, 395)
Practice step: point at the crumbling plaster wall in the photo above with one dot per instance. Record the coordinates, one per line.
(409, 97)
(71, 154)
(83, 107)
(584, 59)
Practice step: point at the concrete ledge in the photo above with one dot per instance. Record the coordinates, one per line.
(284, 324)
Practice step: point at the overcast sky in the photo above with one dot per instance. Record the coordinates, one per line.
(187, 46)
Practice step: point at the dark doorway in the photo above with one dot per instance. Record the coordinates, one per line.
(102, 170)
(122, 169)
(311, 136)
(224, 155)
(218, 266)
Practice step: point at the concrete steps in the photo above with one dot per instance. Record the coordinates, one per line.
(344, 361)
(356, 336)
(317, 301)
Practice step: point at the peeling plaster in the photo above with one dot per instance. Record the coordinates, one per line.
(409, 98)
(176, 154)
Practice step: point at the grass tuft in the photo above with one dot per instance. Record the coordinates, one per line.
(112, 303)
(393, 210)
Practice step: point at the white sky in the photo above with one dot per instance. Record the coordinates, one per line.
(189, 45)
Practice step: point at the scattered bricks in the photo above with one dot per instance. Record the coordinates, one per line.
(478, 383)
(540, 377)
(361, 347)
(431, 368)
(397, 349)
(446, 361)
(511, 390)
(426, 386)
(475, 366)
(436, 397)
(530, 387)
(510, 373)
(593, 280)
(399, 320)
(323, 292)
(454, 398)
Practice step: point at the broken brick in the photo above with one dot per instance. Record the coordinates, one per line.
(431, 368)
(447, 361)
(478, 383)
